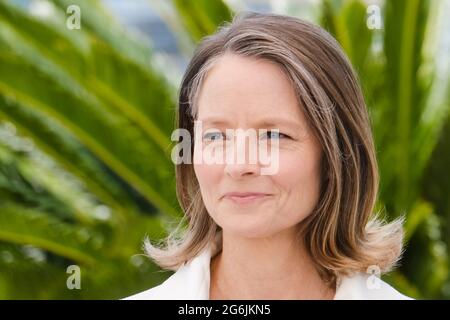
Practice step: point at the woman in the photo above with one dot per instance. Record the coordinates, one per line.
(306, 229)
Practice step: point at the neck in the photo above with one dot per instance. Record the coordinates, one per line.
(275, 267)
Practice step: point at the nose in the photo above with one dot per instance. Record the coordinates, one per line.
(243, 161)
(238, 171)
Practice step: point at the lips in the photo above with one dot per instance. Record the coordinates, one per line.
(246, 197)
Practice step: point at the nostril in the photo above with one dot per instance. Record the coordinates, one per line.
(239, 170)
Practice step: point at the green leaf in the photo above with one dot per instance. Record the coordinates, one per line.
(48, 233)
(96, 131)
(202, 17)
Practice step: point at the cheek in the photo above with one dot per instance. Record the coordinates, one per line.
(299, 177)
(208, 177)
(206, 174)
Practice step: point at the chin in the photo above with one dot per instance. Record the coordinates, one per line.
(249, 230)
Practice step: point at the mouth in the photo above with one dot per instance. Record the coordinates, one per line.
(246, 198)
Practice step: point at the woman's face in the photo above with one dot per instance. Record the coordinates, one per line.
(246, 93)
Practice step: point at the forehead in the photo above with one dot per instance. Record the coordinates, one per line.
(245, 86)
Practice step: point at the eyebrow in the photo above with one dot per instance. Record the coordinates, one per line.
(269, 122)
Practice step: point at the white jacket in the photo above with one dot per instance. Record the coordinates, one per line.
(191, 282)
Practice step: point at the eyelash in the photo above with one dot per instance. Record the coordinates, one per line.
(280, 134)
(268, 131)
(209, 134)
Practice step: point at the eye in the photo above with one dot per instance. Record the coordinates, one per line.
(275, 134)
(213, 136)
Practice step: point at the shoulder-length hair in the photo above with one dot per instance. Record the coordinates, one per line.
(342, 234)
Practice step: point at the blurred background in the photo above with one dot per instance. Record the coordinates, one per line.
(87, 104)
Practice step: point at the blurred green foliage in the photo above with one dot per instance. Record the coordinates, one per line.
(85, 123)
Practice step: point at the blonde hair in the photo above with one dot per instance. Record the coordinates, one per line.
(341, 234)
